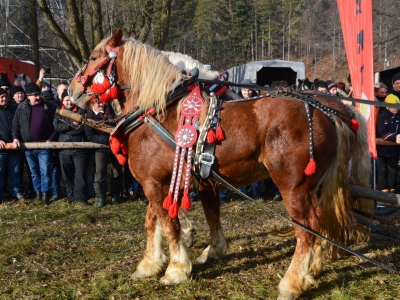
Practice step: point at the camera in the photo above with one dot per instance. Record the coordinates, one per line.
(47, 70)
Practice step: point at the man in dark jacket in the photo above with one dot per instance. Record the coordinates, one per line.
(33, 122)
(9, 159)
(72, 161)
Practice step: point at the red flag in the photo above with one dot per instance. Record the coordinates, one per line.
(356, 20)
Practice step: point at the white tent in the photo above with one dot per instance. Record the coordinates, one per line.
(266, 71)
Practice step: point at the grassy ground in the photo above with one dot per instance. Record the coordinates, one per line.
(77, 252)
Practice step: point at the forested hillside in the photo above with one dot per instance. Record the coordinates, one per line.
(223, 33)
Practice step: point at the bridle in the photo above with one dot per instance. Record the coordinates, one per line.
(94, 88)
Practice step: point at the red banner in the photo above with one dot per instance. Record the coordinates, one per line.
(356, 20)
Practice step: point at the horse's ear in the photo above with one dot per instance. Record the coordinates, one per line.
(24, 76)
(115, 40)
(15, 76)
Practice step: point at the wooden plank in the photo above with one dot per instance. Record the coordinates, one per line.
(56, 145)
(362, 192)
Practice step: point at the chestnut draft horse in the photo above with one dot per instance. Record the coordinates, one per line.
(266, 138)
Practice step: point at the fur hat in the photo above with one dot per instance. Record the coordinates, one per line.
(392, 99)
(32, 89)
(15, 89)
(396, 77)
(2, 91)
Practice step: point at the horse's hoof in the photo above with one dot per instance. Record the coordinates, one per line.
(137, 276)
(166, 281)
(205, 260)
(290, 297)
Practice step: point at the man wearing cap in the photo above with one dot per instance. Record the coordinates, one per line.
(9, 159)
(6, 85)
(17, 94)
(388, 128)
(33, 122)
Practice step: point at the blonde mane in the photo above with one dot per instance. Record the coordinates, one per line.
(187, 63)
(150, 74)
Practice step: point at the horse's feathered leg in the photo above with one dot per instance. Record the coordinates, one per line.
(218, 245)
(154, 257)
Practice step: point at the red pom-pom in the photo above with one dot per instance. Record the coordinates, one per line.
(354, 124)
(114, 92)
(311, 167)
(100, 88)
(220, 136)
(185, 202)
(105, 97)
(124, 148)
(173, 210)
(167, 201)
(121, 158)
(115, 144)
(211, 136)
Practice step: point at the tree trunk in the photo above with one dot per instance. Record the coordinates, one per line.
(34, 32)
(97, 23)
(164, 24)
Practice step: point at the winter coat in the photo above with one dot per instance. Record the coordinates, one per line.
(387, 127)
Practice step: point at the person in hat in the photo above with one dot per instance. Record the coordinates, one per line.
(9, 160)
(388, 128)
(332, 87)
(17, 94)
(33, 122)
(72, 161)
(6, 85)
(322, 86)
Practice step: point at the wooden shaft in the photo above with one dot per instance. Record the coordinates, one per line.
(382, 142)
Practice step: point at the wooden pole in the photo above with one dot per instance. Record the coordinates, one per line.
(81, 120)
(382, 142)
(366, 193)
(56, 145)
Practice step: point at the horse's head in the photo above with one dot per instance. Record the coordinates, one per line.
(98, 77)
(127, 70)
(21, 80)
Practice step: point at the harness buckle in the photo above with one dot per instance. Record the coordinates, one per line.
(207, 159)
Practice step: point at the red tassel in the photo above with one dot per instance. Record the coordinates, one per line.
(211, 136)
(311, 167)
(100, 88)
(121, 158)
(220, 136)
(114, 92)
(185, 202)
(115, 144)
(167, 201)
(124, 148)
(173, 210)
(354, 124)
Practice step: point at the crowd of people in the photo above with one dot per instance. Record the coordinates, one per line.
(29, 116)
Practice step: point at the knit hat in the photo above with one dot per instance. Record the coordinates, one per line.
(15, 89)
(331, 84)
(45, 83)
(341, 85)
(32, 89)
(2, 91)
(396, 77)
(5, 83)
(392, 99)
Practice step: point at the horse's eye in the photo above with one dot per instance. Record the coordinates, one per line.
(93, 58)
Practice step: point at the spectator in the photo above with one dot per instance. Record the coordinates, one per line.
(62, 86)
(17, 94)
(99, 111)
(47, 93)
(332, 88)
(341, 88)
(9, 160)
(380, 91)
(322, 87)
(388, 156)
(6, 85)
(33, 122)
(72, 161)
